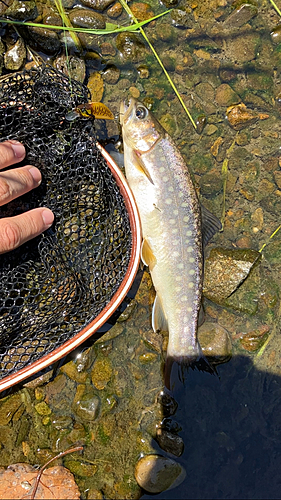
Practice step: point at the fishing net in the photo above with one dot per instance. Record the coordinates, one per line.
(54, 285)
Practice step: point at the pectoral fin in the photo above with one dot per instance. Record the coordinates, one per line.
(138, 163)
(159, 321)
(147, 255)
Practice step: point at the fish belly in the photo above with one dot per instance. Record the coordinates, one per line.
(171, 224)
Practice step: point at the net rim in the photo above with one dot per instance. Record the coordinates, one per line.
(117, 298)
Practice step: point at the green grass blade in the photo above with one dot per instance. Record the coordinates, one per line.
(275, 7)
(130, 13)
(119, 29)
(66, 23)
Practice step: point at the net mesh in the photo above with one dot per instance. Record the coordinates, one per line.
(55, 284)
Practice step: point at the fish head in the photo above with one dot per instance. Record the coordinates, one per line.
(141, 130)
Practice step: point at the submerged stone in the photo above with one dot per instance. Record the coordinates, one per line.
(130, 47)
(85, 18)
(87, 407)
(225, 270)
(241, 15)
(97, 4)
(155, 473)
(22, 11)
(170, 442)
(15, 56)
(215, 342)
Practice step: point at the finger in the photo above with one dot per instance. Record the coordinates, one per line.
(11, 152)
(14, 231)
(15, 182)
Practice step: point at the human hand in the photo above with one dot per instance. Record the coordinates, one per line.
(14, 231)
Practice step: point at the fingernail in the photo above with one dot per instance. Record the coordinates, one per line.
(18, 148)
(36, 174)
(48, 217)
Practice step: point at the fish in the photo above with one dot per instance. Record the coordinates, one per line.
(174, 229)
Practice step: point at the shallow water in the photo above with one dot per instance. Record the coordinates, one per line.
(231, 424)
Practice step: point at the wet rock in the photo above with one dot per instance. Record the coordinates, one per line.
(155, 473)
(271, 204)
(148, 357)
(96, 86)
(8, 407)
(97, 4)
(142, 11)
(277, 178)
(169, 442)
(183, 18)
(22, 10)
(170, 3)
(45, 39)
(111, 76)
(72, 66)
(225, 270)
(210, 183)
(81, 469)
(215, 342)
(15, 56)
(43, 409)
(168, 404)
(200, 123)
(70, 369)
(86, 405)
(242, 48)
(101, 373)
(134, 92)
(168, 122)
(115, 10)
(241, 15)
(276, 35)
(85, 18)
(164, 31)
(257, 219)
(225, 96)
(89, 42)
(240, 117)
(130, 47)
(62, 422)
(210, 129)
(254, 340)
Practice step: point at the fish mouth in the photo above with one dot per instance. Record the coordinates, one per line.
(126, 109)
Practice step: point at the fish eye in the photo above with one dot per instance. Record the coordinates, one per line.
(141, 112)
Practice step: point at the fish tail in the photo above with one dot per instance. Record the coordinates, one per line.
(177, 367)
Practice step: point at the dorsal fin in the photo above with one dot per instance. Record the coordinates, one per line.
(210, 225)
(159, 321)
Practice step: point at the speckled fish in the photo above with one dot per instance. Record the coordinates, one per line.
(171, 228)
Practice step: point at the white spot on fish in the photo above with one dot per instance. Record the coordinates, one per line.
(175, 254)
(184, 204)
(191, 259)
(177, 288)
(162, 169)
(189, 249)
(185, 218)
(190, 285)
(172, 221)
(188, 232)
(175, 212)
(189, 309)
(170, 188)
(178, 278)
(180, 265)
(175, 230)
(165, 178)
(169, 201)
(191, 272)
(183, 298)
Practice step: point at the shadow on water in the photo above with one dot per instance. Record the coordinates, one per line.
(231, 427)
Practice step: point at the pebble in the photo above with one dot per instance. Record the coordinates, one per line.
(97, 4)
(276, 34)
(142, 11)
(134, 92)
(115, 10)
(183, 18)
(170, 442)
(22, 11)
(71, 66)
(143, 71)
(215, 342)
(96, 86)
(15, 56)
(111, 76)
(130, 47)
(155, 473)
(225, 96)
(257, 219)
(225, 270)
(87, 406)
(101, 373)
(85, 18)
(210, 183)
(46, 39)
(241, 15)
(43, 409)
(277, 178)
(240, 117)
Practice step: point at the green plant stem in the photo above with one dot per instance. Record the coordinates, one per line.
(130, 13)
(66, 23)
(275, 7)
(117, 29)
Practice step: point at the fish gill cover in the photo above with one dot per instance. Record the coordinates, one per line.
(57, 283)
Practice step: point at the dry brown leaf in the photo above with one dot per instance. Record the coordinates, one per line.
(18, 480)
